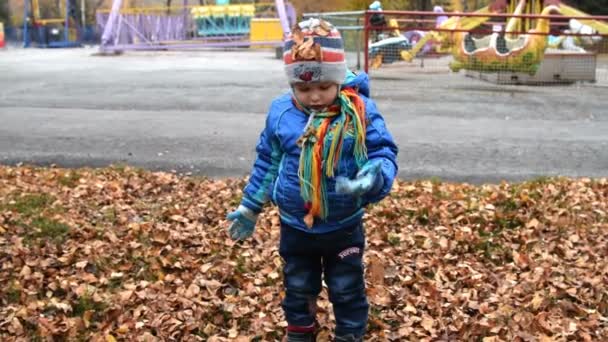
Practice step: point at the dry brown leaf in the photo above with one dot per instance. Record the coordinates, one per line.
(428, 323)
(376, 270)
(533, 224)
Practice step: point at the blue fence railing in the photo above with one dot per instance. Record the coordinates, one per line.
(90, 34)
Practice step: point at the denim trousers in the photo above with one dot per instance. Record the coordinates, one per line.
(337, 257)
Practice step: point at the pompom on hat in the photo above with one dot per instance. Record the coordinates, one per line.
(314, 52)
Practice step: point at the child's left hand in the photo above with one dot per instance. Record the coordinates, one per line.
(243, 223)
(369, 178)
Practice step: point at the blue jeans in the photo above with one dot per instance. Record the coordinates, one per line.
(338, 256)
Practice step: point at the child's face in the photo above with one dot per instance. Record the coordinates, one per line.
(317, 95)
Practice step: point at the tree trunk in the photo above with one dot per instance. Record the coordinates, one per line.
(5, 13)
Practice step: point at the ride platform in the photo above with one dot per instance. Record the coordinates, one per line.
(557, 67)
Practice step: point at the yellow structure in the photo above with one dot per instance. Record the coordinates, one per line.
(459, 5)
(600, 26)
(523, 53)
(513, 51)
(46, 21)
(237, 19)
(265, 29)
(449, 5)
(246, 10)
(223, 19)
(525, 7)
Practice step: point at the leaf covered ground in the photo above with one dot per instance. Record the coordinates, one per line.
(126, 254)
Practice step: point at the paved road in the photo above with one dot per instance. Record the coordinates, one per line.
(202, 111)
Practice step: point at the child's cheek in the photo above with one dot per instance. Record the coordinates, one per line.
(333, 98)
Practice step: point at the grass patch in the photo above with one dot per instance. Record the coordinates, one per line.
(13, 294)
(508, 205)
(31, 204)
(115, 283)
(241, 267)
(436, 181)
(144, 270)
(86, 303)
(493, 252)
(423, 216)
(119, 167)
(394, 240)
(508, 223)
(69, 179)
(540, 181)
(235, 200)
(50, 229)
(32, 331)
(125, 169)
(110, 214)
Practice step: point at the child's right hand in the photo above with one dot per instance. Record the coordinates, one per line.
(369, 178)
(243, 223)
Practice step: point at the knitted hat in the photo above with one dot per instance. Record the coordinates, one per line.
(314, 52)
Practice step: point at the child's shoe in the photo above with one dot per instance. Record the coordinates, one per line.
(300, 337)
(348, 338)
(301, 334)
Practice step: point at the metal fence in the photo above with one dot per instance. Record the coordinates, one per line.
(351, 26)
(498, 48)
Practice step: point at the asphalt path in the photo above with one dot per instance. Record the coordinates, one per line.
(201, 112)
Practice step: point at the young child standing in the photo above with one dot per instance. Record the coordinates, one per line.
(324, 154)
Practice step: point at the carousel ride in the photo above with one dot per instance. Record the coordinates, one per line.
(518, 46)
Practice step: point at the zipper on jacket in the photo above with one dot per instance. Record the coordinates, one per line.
(276, 181)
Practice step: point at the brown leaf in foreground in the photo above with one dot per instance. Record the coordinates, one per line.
(126, 254)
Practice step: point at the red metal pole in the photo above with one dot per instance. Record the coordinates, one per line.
(491, 15)
(483, 31)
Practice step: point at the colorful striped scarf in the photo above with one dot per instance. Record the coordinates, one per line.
(320, 156)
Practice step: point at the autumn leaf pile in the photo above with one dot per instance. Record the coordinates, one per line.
(126, 254)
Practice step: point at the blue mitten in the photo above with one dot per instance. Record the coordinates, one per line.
(243, 223)
(368, 179)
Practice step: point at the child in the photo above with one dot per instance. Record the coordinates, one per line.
(324, 154)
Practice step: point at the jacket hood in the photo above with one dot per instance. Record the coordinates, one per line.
(359, 81)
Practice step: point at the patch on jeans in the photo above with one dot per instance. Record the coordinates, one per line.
(349, 251)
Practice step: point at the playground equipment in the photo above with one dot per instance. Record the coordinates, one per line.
(391, 49)
(504, 51)
(520, 46)
(223, 19)
(507, 51)
(190, 27)
(442, 37)
(59, 32)
(569, 42)
(388, 50)
(439, 39)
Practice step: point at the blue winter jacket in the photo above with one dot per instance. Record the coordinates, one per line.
(275, 172)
